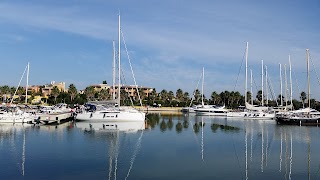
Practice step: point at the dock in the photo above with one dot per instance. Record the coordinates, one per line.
(53, 118)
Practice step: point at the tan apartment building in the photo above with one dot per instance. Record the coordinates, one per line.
(46, 90)
(132, 90)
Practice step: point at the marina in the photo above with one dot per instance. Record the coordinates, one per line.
(110, 90)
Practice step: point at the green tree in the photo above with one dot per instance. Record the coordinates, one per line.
(20, 92)
(179, 95)
(215, 98)
(259, 96)
(186, 96)
(152, 96)
(104, 94)
(72, 91)
(55, 93)
(303, 97)
(197, 96)
(170, 96)
(89, 91)
(164, 95)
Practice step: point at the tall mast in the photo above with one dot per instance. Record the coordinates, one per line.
(290, 81)
(246, 86)
(280, 85)
(267, 92)
(262, 82)
(114, 71)
(308, 68)
(119, 64)
(251, 86)
(286, 85)
(26, 101)
(202, 85)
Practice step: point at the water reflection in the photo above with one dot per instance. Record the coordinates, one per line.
(9, 135)
(181, 122)
(115, 135)
(193, 148)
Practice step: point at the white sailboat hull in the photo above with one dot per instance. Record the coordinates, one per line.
(251, 115)
(211, 112)
(16, 119)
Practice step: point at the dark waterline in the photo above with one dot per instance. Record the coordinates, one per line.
(171, 147)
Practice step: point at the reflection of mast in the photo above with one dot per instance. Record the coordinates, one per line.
(251, 143)
(113, 153)
(23, 152)
(246, 154)
(202, 145)
(286, 155)
(135, 154)
(309, 157)
(290, 166)
(262, 152)
(266, 161)
(280, 152)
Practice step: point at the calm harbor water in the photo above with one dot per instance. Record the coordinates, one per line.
(171, 147)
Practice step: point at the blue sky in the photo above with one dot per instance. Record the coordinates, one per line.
(169, 41)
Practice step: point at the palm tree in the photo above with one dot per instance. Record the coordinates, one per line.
(104, 94)
(55, 93)
(152, 95)
(186, 96)
(215, 97)
(164, 95)
(197, 96)
(249, 96)
(303, 97)
(170, 96)
(72, 91)
(259, 96)
(20, 92)
(237, 97)
(89, 91)
(179, 95)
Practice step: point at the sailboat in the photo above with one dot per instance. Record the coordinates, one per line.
(13, 114)
(211, 110)
(191, 108)
(116, 113)
(251, 111)
(301, 116)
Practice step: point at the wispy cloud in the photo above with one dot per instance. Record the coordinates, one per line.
(169, 42)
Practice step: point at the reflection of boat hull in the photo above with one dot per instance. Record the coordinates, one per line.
(111, 116)
(298, 120)
(117, 126)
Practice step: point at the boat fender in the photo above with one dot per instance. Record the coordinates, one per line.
(104, 115)
(116, 115)
(91, 115)
(104, 126)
